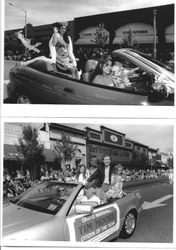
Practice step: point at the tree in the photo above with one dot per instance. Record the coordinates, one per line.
(129, 41)
(101, 35)
(32, 151)
(65, 149)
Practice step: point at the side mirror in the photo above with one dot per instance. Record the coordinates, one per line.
(83, 209)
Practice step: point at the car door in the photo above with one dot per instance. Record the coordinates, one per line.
(43, 88)
(72, 91)
(101, 225)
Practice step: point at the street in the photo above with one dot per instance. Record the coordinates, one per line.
(156, 221)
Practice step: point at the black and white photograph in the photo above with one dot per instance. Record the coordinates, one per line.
(88, 182)
(87, 158)
(89, 52)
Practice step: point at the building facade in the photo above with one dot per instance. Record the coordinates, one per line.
(121, 149)
(91, 145)
(139, 26)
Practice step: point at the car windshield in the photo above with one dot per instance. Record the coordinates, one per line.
(161, 64)
(46, 197)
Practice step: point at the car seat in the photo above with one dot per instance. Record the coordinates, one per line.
(89, 69)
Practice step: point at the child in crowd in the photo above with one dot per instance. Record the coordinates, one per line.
(115, 190)
(82, 175)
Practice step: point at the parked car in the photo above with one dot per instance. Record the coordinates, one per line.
(41, 83)
(42, 213)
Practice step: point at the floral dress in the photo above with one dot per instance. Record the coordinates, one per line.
(120, 77)
(115, 190)
(62, 57)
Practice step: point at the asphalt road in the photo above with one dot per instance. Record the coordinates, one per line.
(155, 224)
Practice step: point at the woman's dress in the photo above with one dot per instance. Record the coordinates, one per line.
(62, 56)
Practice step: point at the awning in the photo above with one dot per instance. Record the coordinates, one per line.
(169, 34)
(11, 152)
(137, 32)
(87, 36)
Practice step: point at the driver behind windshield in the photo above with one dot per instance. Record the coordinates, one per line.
(120, 74)
(112, 75)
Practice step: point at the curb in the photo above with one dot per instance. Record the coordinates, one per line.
(144, 182)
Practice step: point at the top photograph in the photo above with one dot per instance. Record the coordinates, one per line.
(89, 52)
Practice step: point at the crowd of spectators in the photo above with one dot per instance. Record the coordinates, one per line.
(16, 183)
(82, 54)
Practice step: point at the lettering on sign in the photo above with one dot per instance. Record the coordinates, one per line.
(135, 31)
(99, 224)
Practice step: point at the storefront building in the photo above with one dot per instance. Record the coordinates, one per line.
(91, 146)
(48, 134)
(36, 34)
(54, 133)
(139, 28)
(121, 150)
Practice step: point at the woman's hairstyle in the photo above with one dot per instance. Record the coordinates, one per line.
(78, 172)
(59, 25)
(118, 166)
(56, 24)
(99, 68)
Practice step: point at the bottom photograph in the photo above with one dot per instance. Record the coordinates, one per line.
(87, 182)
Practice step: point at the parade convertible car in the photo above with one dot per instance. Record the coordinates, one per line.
(41, 83)
(44, 214)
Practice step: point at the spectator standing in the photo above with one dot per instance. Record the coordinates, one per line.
(170, 175)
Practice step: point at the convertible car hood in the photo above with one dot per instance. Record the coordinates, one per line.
(18, 218)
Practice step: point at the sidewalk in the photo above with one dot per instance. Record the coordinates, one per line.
(143, 182)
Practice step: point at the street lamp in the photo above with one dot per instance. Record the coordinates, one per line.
(154, 27)
(25, 17)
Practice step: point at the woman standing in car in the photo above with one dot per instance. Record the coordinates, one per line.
(65, 58)
(61, 50)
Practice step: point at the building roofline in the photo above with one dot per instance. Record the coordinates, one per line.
(67, 128)
(112, 130)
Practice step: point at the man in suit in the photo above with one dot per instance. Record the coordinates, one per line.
(102, 175)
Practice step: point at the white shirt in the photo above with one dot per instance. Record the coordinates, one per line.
(106, 179)
(82, 179)
(93, 198)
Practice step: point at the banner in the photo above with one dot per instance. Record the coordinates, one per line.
(96, 226)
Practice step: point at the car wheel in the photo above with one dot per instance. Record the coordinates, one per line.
(129, 225)
(23, 99)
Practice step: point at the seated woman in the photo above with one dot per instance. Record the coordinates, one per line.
(115, 190)
(102, 74)
(120, 75)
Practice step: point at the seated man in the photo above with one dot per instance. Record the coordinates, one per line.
(90, 195)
